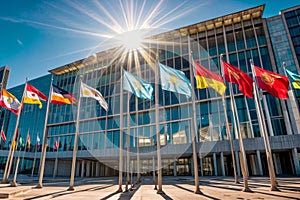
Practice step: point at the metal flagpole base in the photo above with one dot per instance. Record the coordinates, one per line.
(246, 189)
(38, 186)
(126, 186)
(119, 190)
(274, 188)
(160, 192)
(13, 184)
(4, 182)
(71, 188)
(197, 191)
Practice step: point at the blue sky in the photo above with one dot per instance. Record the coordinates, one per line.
(37, 36)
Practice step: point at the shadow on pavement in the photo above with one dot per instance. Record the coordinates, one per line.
(124, 195)
(165, 196)
(64, 192)
(205, 195)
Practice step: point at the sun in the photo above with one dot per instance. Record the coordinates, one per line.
(132, 40)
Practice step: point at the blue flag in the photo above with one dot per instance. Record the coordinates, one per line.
(295, 79)
(137, 86)
(174, 80)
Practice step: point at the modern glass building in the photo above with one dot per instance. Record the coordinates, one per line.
(239, 36)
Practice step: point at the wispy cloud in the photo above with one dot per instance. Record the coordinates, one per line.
(19, 42)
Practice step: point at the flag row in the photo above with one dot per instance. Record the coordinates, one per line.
(175, 81)
(171, 80)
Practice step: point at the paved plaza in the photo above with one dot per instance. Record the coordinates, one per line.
(174, 188)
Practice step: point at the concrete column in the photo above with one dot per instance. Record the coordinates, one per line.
(88, 169)
(237, 161)
(102, 170)
(175, 168)
(222, 164)
(97, 169)
(269, 122)
(260, 170)
(192, 166)
(253, 165)
(82, 168)
(295, 113)
(77, 168)
(276, 165)
(93, 169)
(215, 164)
(55, 167)
(296, 161)
(287, 121)
(105, 170)
(201, 166)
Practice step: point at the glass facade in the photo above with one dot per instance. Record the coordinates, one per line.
(239, 39)
(292, 21)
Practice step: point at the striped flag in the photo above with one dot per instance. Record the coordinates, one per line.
(61, 96)
(206, 78)
(295, 79)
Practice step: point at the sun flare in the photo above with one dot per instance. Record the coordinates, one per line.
(131, 40)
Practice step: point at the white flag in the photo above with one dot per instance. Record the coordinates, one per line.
(38, 139)
(87, 91)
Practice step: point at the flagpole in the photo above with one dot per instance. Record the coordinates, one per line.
(45, 136)
(242, 148)
(159, 167)
(293, 103)
(121, 133)
(34, 160)
(128, 142)
(194, 124)
(24, 150)
(236, 179)
(12, 150)
(2, 127)
(263, 131)
(137, 145)
(14, 183)
(249, 116)
(237, 128)
(71, 186)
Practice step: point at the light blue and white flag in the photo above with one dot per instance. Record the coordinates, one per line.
(137, 86)
(174, 80)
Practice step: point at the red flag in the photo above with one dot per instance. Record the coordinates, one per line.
(3, 137)
(237, 76)
(275, 84)
(56, 144)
